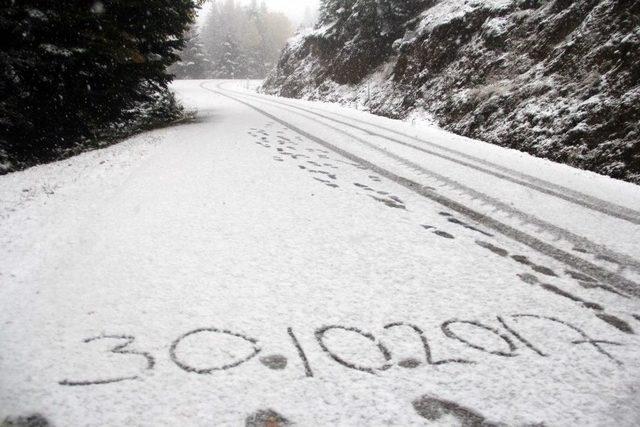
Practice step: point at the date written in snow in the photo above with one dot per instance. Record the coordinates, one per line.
(503, 338)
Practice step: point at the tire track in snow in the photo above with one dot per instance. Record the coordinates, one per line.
(598, 310)
(507, 174)
(599, 251)
(586, 267)
(581, 243)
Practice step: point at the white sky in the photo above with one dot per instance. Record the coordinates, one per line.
(294, 9)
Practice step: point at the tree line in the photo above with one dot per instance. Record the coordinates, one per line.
(75, 71)
(234, 41)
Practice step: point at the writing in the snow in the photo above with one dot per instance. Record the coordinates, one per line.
(507, 341)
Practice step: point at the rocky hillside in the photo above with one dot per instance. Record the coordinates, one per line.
(559, 79)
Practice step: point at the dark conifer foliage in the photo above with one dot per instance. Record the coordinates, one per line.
(70, 69)
(194, 62)
(375, 23)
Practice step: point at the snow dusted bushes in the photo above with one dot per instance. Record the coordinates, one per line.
(559, 78)
(75, 71)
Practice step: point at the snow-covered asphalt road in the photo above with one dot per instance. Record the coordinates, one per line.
(286, 262)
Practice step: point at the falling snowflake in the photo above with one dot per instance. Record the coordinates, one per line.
(98, 7)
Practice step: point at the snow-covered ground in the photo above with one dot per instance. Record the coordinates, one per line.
(298, 261)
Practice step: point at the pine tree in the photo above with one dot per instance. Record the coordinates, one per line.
(397, 14)
(70, 68)
(244, 41)
(194, 61)
(334, 10)
(229, 63)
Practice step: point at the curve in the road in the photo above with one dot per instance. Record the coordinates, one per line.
(516, 177)
(561, 233)
(536, 244)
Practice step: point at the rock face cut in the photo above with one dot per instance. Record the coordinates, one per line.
(559, 79)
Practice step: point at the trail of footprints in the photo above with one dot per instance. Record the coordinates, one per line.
(584, 281)
(322, 168)
(314, 162)
(318, 163)
(427, 406)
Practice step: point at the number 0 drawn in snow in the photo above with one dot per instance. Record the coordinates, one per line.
(320, 336)
(184, 365)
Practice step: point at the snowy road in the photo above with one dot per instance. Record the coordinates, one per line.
(301, 262)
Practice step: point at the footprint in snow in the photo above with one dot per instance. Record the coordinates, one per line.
(275, 362)
(610, 319)
(409, 363)
(543, 270)
(327, 183)
(444, 234)
(468, 226)
(34, 420)
(434, 409)
(389, 202)
(616, 322)
(537, 268)
(495, 249)
(437, 232)
(321, 172)
(266, 418)
(363, 186)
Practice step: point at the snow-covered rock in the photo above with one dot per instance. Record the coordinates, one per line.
(559, 78)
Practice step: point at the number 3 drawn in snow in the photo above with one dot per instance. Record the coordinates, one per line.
(118, 349)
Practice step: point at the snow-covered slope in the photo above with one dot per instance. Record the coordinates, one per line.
(559, 78)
